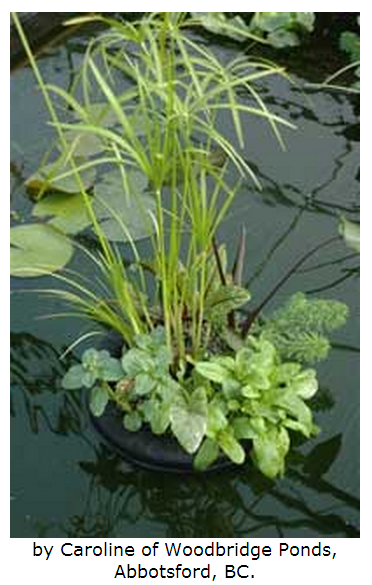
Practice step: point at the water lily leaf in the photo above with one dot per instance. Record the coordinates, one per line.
(69, 212)
(350, 231)
(98, 113)
(83, 144)
(59, 176)
(37, 249)
(101, 114)
(189, 419)
(124, 216)
(98, 400)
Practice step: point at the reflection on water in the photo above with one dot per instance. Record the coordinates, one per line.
(66, 482)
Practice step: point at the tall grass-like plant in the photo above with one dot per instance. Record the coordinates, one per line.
(164, 93)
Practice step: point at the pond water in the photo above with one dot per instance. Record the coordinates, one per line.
(64, 480)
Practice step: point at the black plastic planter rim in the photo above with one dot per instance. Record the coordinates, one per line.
(143, 448)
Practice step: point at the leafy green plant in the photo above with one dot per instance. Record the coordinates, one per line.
(282, 29)
(252, 395)
(298, 329)
(278, 29)
(143, 115)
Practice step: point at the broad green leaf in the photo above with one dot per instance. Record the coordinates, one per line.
(296, 407)
(206, 455)
(73, 379)
(243, 428)
(188, 417)
(98, 400)
(212, 371)
(144, 384)
(159, 416)
(111, 370)
(37, 249)
(231, 447)
(68, 212)
(52, 177)
(89, 378)
(306, 19)
(350, 43)
(283, 38)
(305, 384)
(124, 216)
(216, 420)
(269, 451)
(350, 231)
(136, 361)
(270, 21)
(132, 422)
(97, 113)
(83, 144)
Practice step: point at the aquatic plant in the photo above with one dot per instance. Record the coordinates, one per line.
(278, 29)
(144, 115)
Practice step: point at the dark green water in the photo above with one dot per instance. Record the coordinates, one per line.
(65, 482)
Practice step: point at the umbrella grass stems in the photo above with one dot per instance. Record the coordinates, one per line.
(153, 71)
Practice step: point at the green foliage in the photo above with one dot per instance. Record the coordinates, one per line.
(282, 29)
(95, 365)
(278, 29)
(37, 249)
(97, 368)
(57, 176)
(350, 43)
(298, 328)
(155, 137)
(68, 212)
(261, 398)
(188, 415)
(251, 395)
(218, 23)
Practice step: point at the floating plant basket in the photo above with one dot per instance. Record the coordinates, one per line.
(143, 448)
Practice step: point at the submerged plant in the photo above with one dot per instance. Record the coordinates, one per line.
(144, 114)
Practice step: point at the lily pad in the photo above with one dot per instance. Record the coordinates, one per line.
(124, 216)
(58, 176)
(69, 212)
(37, 249)
(83, 143)
(350, 231)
